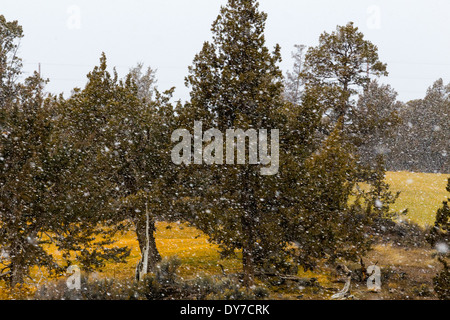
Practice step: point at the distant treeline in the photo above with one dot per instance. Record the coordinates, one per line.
(421, 141)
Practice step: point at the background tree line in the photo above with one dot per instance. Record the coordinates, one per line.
(411, 136)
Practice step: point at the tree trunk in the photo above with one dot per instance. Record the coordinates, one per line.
(17, 275)
(248, 258)
(153, 257)
(247, 221)
(248, 267)
(18, 268)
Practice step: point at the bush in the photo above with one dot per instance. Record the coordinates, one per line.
(442, 283)
(96, 289)
(166, 271)
(403, 233)
(163, 285)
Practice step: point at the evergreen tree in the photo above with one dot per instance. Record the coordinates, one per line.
(421, 142)
(439, 238)
(324, 222)
(374, 122)
(342, 66)
(26, 175)
(440, 234)
(236, 84)
(10, 63)
(85, 226)
(119, 142)
(335, 72)
(28, 169)
(339, 68)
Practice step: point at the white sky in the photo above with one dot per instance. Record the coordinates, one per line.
(413, 36)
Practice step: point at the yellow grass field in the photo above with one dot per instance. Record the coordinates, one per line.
(190, 245)
(422, 194)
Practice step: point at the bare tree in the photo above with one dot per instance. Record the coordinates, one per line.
(294, 81)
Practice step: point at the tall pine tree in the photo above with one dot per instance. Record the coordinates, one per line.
(439, 238)
(236, 84)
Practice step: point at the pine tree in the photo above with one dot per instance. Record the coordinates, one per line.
(324, 224)
(117, 140)
(442, 282)
(421, 142)
(27, 168)
(374, 122)
(440, 234)
(26, 175)
(10, 63)
(439, 238)
(85, 226)
(340, 67)
(236, 84)
(343, 65)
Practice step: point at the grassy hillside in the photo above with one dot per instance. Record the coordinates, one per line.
(421, 193)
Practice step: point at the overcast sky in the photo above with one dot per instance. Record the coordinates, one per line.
(67, 37)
